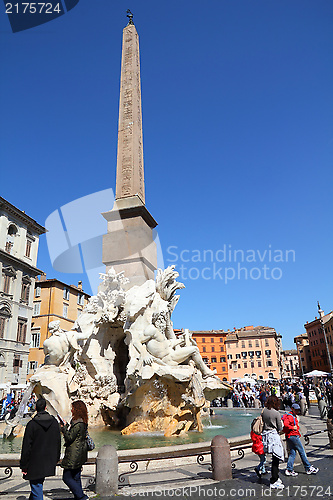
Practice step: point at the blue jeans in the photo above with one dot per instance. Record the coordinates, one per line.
(261, 466)
(295, 444)
(72, 479)
(36, 486)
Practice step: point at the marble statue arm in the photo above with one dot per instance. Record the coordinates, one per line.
(142, 350)
(177, 341)
(169, 331)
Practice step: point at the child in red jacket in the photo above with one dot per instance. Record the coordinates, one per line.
(258, 449)
(291, 430)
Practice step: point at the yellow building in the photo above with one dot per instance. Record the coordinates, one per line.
(53, 300)
(254, 351)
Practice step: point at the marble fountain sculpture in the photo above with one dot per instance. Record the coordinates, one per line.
(124, 360)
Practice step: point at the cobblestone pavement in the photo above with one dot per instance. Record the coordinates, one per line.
(195, 481)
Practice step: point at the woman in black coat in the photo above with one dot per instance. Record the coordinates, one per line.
(76, 449)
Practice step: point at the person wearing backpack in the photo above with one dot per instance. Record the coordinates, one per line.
(291, 430)
(271, 440)
(257, 446)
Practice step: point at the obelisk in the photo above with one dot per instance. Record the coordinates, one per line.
(128, 245)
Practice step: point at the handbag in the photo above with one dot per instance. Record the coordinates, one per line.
(257, 425)
(90, 442)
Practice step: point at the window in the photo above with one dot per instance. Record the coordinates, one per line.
(35, 338)
(252, 364)
(17, 364)
(25, 292)
(33, 365)
(66, 293)
(38, 291)
(250, 343)
(213, 349)
(221, 339)
(204, 349)
(6, 283)
(257, 343)
(28, 248)
(213, 360)
(236, 345)
(229, 356)
(221, 348)
(205, 360)
(36, 309)
(2, 327)
(65, 311)
(8, 246)
(80, 299)
(268, 353)
(259, 364)
(269, 363)
(239, 366)
(237, 356)
(245, 364)
(21, 331)
(258, 354)
(251, 354)
(223, 368)
(243, 344)
(244, 354)
(203, 340)
(222, 359)
(266, 342)
(212, 340)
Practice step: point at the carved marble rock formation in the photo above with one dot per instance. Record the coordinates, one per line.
(161, 404)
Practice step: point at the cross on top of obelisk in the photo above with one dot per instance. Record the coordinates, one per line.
(130, 17)
(130, 170)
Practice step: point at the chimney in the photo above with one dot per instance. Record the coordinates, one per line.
(79, 285)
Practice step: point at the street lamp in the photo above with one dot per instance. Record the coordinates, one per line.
(321, 315)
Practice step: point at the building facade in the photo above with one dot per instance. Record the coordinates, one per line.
(53, 300)
(290, 364)
(213, 350)
(254, 351)
(19, 238)
(317, 344)
(304, 353)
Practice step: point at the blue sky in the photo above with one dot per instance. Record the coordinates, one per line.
(238, 142)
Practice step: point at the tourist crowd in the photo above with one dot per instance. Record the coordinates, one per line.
(9, 405)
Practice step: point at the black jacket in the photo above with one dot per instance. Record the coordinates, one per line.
(41, 446)
(76, 445)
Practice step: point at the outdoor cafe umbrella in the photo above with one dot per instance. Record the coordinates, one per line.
(316, 373)
(245, 380)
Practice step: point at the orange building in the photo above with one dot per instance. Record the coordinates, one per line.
(213, 350)
(53, 300)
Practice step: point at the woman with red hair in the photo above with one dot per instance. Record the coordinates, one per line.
(76, 449)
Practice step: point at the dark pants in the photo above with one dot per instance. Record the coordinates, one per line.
(275, 469)
(72, 479)
(36, 486)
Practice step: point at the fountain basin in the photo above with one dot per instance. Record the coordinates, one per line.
(230, 422)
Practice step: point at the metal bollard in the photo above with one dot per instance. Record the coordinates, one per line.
(229, 403)
(221, 458)
(302, 404)
(107, 471)
(257, 403)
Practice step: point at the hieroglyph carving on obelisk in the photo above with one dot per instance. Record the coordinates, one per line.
(130, 170)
